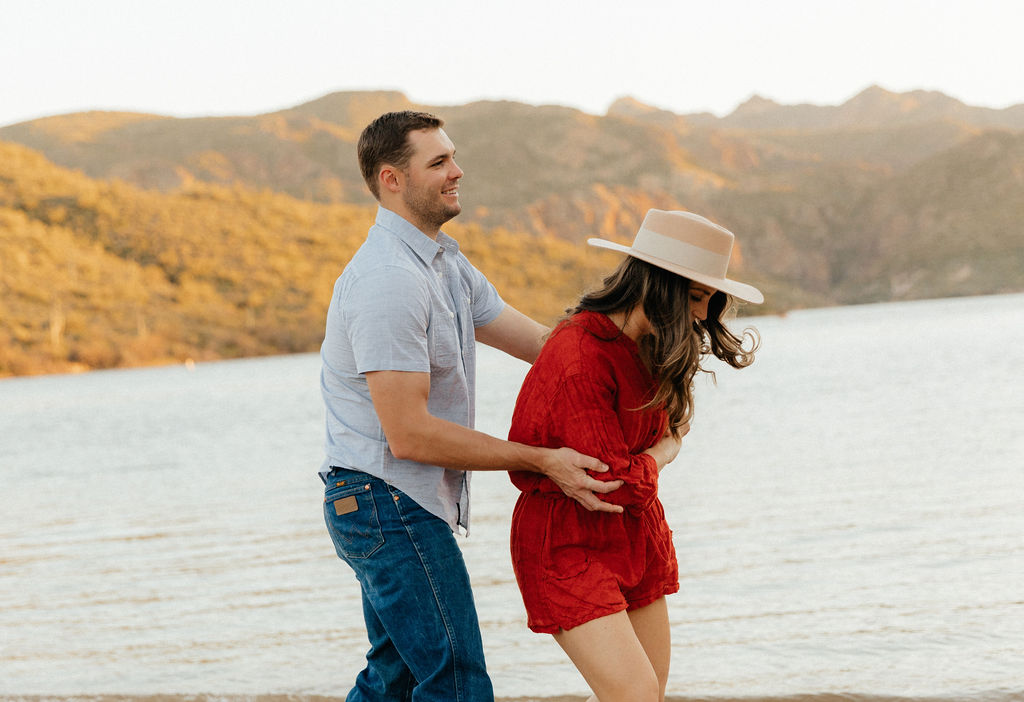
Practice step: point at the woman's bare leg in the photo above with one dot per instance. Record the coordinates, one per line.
(612, 659)
(652, 630)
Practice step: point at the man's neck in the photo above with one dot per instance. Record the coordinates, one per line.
(403, 212)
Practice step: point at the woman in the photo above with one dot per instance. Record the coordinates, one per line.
(615, 381)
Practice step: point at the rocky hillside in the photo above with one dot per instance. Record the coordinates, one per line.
(100, 274)
(812, 191)
(885, 197)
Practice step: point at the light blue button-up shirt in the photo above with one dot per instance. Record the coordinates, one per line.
(404, 303)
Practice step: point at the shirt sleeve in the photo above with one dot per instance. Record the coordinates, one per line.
(386, 313)
(582, 416)
(484, 298)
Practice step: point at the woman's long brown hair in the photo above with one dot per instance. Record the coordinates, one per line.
(676, 345)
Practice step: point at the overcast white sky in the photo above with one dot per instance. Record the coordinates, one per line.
(217, 57)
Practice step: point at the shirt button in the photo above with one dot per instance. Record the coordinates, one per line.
(452, 315)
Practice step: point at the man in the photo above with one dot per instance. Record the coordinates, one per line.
(398, 381)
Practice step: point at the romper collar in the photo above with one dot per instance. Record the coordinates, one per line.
(601, 326)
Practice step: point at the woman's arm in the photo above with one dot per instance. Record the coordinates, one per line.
(581, 414)
(667, 448)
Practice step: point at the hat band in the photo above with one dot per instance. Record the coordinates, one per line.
(681, 253)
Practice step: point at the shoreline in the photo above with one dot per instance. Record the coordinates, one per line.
(1003, 695)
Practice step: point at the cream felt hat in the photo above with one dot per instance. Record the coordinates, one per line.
(688, 245)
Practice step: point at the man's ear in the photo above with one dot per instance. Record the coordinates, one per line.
(389, 178)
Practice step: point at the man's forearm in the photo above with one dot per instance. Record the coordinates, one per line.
(413, 433)
(515, 334)
(442, 443)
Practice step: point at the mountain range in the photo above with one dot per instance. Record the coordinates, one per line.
(888, 196)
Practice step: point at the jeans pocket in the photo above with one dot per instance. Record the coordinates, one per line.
(351, 516)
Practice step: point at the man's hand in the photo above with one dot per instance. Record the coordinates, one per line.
(568, 470)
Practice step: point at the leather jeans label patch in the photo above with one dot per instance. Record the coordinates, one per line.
(345, 505)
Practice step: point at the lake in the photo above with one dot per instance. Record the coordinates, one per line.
(848, 515)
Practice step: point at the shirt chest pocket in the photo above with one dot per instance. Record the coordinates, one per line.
(443, 340)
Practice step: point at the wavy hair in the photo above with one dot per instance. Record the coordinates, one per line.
(676, 345)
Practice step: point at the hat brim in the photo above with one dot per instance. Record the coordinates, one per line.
(747, 293)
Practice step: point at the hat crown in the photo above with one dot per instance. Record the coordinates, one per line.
(688, 245)
(686, 239)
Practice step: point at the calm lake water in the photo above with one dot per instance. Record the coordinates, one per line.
(848, 516)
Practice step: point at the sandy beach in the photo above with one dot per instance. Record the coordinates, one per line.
(253, 698)
(1001, 696)
(568, 698)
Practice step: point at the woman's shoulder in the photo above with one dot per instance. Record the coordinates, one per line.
(580, 343)
(592, 332)
(587, 325)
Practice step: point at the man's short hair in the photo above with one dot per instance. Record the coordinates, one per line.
(385, 141)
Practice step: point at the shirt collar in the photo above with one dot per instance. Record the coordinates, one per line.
(421, 244)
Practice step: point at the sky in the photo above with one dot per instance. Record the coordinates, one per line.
(189, 58)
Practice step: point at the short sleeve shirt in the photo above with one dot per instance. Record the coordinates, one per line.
(404, 303)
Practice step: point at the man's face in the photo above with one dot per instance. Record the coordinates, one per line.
(431, 191)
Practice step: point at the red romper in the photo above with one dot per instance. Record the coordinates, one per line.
(573, 565)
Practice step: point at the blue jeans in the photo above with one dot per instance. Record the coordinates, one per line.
(420, 616)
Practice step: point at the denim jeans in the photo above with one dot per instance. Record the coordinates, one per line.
(420, 616)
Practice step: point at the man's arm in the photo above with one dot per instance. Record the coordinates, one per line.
(514, 333)
(400, 400)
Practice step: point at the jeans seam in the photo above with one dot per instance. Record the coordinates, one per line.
(437, 599)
